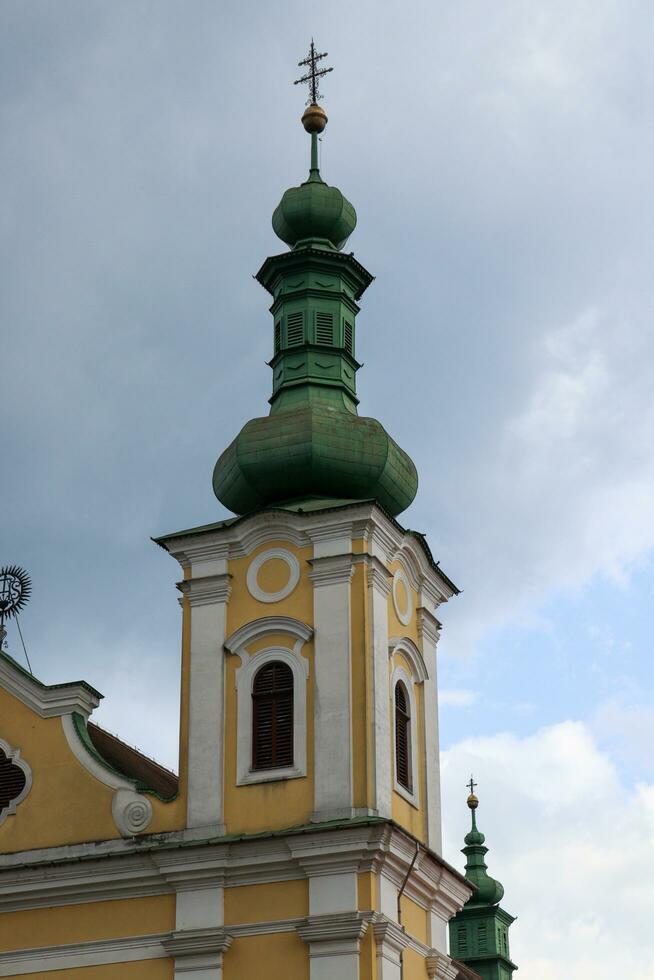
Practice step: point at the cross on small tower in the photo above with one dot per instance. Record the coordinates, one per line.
(471, 786)
(313, 74)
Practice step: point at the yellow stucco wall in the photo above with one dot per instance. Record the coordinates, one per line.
(163, 969)
(414, 919)
(284, 803)
(267, 902)
(66, 804)
(86, 922)
(280, 955)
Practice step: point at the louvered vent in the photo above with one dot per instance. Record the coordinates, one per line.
(462, 940)
(402, 722)
(12, 781)
(278, 336)
(482, 938)
(324, 328)
(272, 717)
(348, 337)
(295, 329)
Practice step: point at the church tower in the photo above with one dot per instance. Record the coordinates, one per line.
(310, 629)
(479, 933)
(302, 838)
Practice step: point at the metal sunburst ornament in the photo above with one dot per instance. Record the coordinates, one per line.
(15, 590)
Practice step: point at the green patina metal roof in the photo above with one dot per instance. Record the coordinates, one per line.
(313, 446)
(479, 933)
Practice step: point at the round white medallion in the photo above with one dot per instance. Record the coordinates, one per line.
(402, 604)
(255, 589)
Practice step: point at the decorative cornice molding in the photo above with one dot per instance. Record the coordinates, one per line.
(331, 570)
(406, 646)
(48, 701)
(194, 942)
(207, 590)
(238, 641)
(440, 967)
(390, 937)
(429, 627)
(165, 863)
(68, 956)
(338, 929)
(379, 578)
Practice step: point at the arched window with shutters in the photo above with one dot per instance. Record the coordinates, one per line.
(272, 716)
(403, 766)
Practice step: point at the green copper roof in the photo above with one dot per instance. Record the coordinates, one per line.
(479, 933)
(489, 891)
(313, 447)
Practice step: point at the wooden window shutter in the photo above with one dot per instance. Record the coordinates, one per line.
(272, 717)
(402, 737)
(348, 337)
(295, 329)
(324, 328)
(12, 781)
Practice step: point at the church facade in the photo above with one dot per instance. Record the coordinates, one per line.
(302, 838)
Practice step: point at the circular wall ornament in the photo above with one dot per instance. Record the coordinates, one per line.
(281, 554)
(403, 603)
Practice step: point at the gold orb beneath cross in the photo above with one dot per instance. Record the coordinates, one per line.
(473, 802)
(314, 119)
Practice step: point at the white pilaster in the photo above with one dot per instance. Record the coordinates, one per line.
(379, 587)
(331, 576)
(429, 631)
(390, 942)
(208, 597)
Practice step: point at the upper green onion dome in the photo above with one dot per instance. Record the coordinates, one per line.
(313, 449)
(314, 211)
(489, 891)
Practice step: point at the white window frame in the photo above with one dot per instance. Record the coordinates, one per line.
(15, 758)
(245, 674)
(411, 796)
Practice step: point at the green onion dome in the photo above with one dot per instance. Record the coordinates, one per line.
(489, 891)
(314, 451)
(312, 212)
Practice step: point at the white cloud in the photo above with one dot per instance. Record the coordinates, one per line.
(570, 843)
(456, 697)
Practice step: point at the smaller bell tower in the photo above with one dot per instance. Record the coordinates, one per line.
(479, 933)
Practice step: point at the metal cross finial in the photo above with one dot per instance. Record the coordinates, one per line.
(471, 785)
(313, 74)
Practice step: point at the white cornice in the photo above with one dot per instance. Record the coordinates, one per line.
(196, 942)
(239, 640)
(331, 569)
(48, 701)
(429, 626)
(334, 927)
(206, 590)
(154, 866)
(406, 646)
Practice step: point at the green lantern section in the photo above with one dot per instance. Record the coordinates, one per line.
(479, 933)
(313, 449)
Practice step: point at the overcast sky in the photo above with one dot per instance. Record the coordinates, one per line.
(500, 158)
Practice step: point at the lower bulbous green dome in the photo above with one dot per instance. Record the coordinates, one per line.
(314, 210)
(314, 452)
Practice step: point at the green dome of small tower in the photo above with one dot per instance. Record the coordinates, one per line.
(313, 449)
(479, 933)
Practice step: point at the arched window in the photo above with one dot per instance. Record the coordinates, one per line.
(272, 716)
(403, 737)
